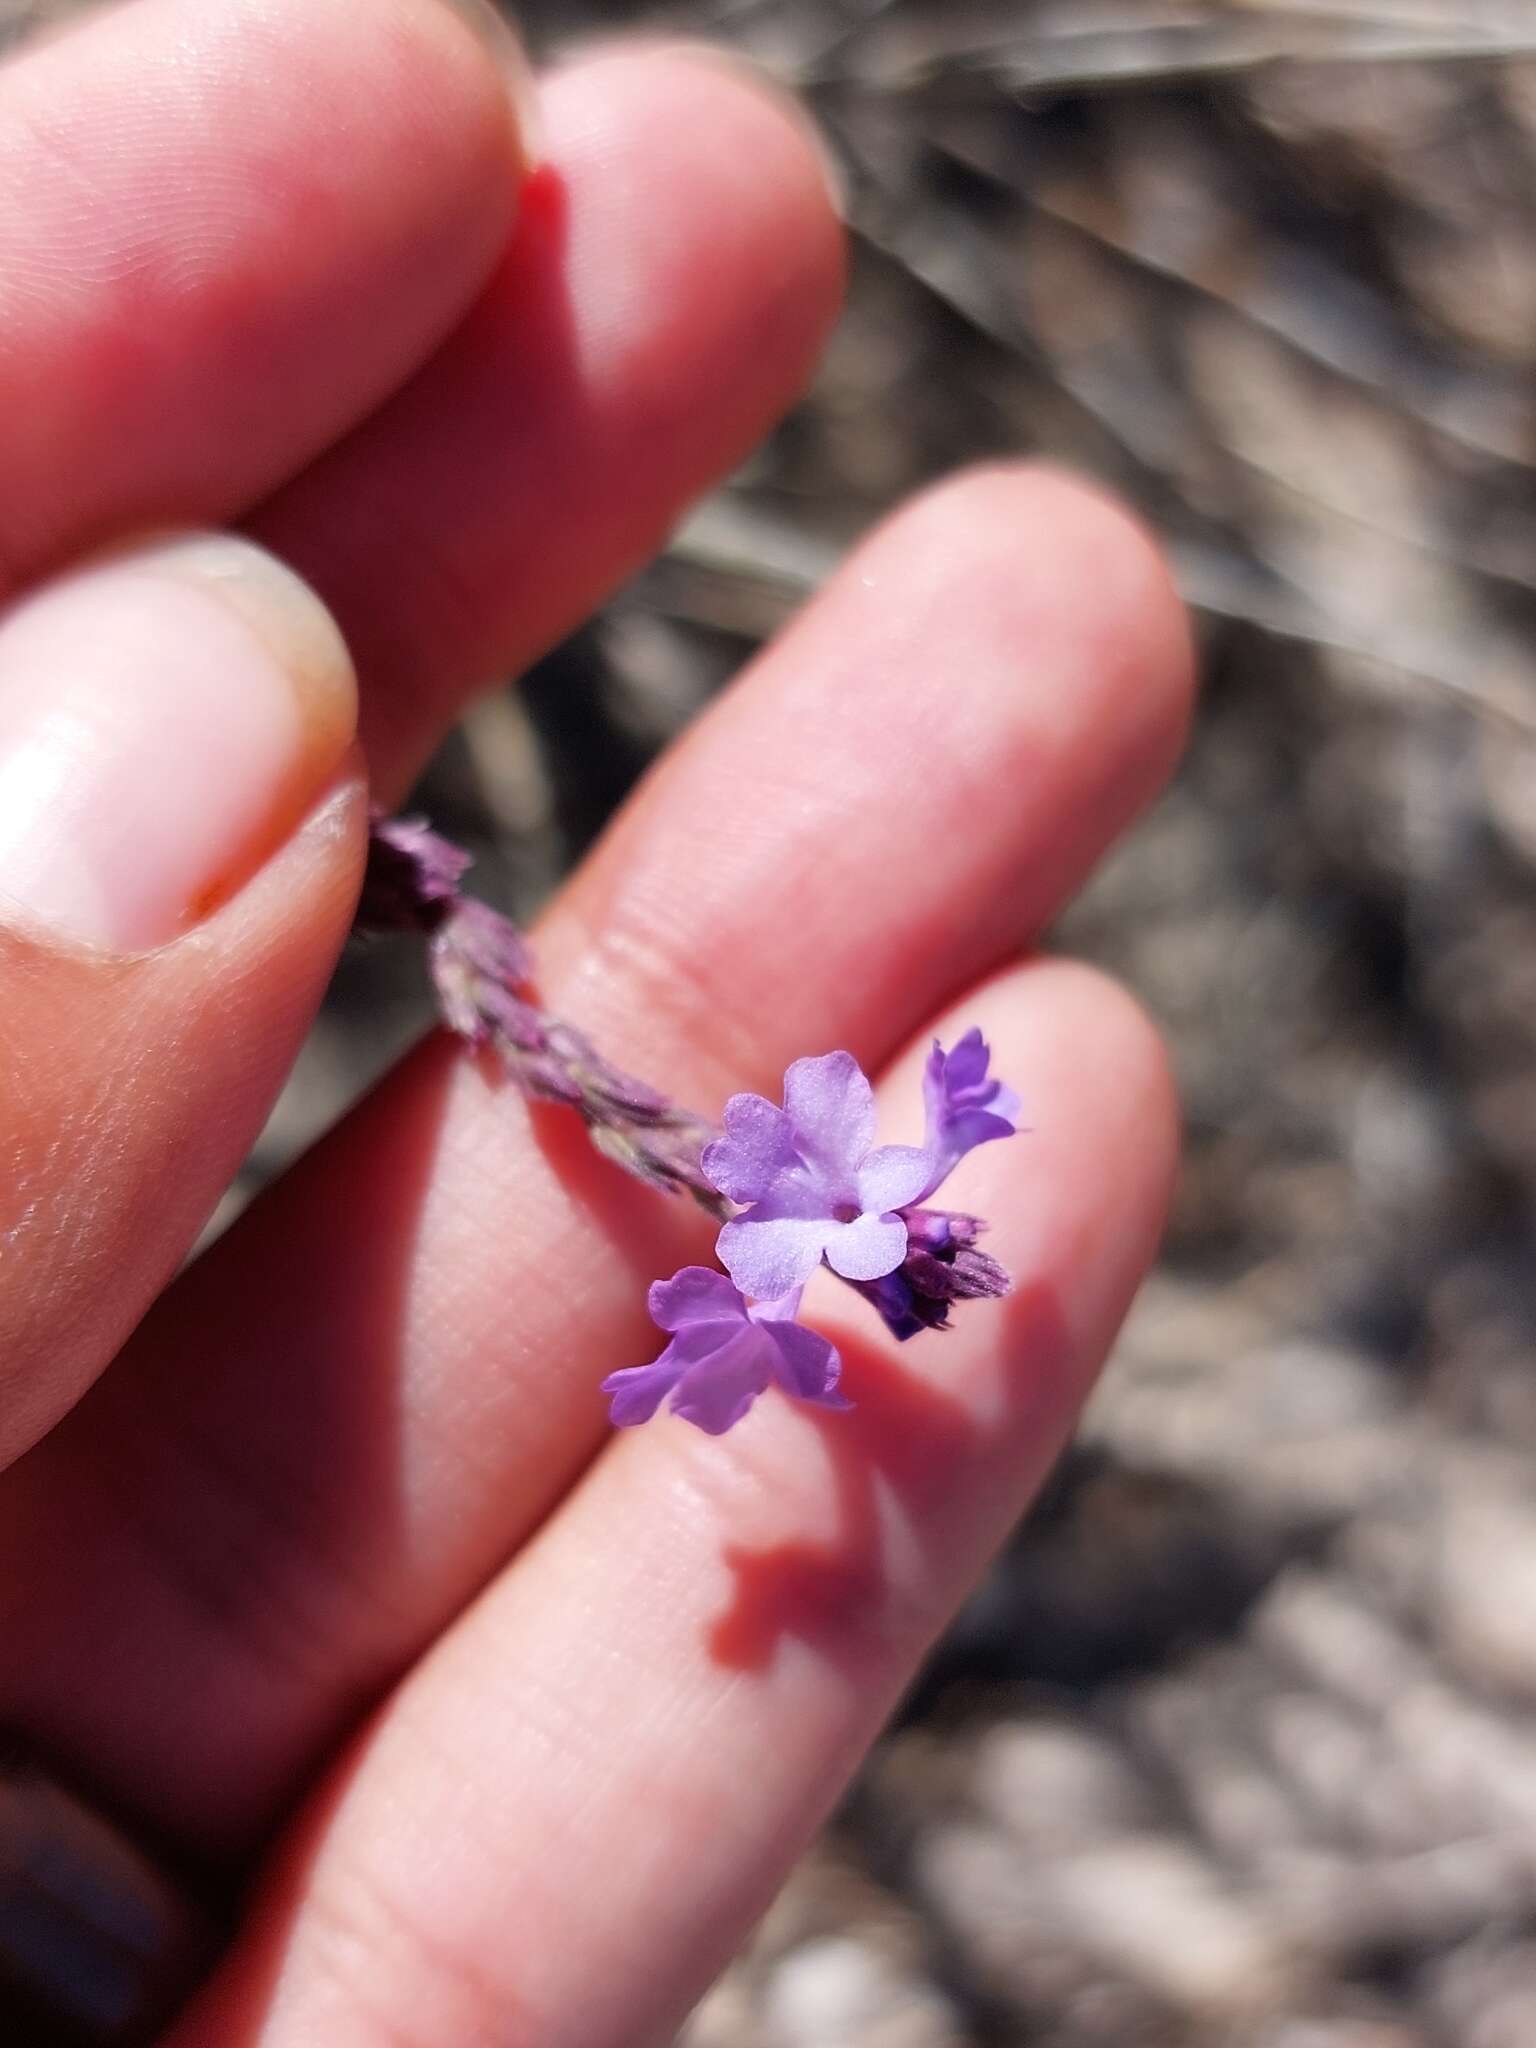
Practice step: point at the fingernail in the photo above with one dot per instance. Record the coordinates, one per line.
(497, 30)
(167, 717)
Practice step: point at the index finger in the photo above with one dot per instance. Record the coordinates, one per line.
(227, 230)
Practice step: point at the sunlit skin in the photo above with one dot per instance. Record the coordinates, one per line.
(339, 1582)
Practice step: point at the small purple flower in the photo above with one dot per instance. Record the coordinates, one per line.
(722, 1355)
(965, 1107)
(812, 1185)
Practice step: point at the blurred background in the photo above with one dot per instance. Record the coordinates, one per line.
(1238, 1742)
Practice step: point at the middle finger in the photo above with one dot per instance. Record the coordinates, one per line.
(341, 1421)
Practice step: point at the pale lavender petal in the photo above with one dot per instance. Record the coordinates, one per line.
(767, 1257)
(807, 1366)
(868, 1248)
(697, 1294)
(802, 1194)
(719, 1390)
(892, 1177)
(757, 1150)
(832, 1107)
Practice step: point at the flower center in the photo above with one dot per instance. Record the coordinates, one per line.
(846, 1212)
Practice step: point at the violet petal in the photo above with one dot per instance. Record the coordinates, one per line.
(696, 1294)
(716, 1392)
(832, 1107)
(807, 1366)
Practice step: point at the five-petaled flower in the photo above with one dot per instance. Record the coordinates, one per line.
(813, 1184)
(722, 1355)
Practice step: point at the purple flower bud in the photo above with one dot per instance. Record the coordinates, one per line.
(412, 876)
(938, 1230)
(965, 1106)
(942, 1266)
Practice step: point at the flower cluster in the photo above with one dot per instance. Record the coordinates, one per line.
(810, 1188)
(796, 1187)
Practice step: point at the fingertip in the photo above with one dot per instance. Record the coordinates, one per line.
(491, 78)
(1095, 1162)
(227, 232)
(773, 95)
(776, 187)
(1126, 576)
(1056, 567)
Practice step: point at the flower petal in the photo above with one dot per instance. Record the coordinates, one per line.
(867, 1249)
(719, 1390)
(783, 1310)
(958, 1081)
(969, 1128)
(892, 1177)
(696, 1294)
(965, 1107)
(806, 1365)
(639, 1390)
(832, 1107)
(769, 1256)
(757, 1150)
(968, 1061)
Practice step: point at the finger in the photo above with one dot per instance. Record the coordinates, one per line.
(664, 298)
(342, 1420)
(574, 1810)
(226, 231)
(168, 720)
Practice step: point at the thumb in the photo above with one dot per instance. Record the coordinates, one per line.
(181, 829)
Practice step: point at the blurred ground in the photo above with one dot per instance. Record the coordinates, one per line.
(1238, 1744)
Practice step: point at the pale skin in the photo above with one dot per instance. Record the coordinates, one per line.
(337, 1582)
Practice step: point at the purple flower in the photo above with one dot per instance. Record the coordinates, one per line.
(812, 1185)
(965, 1108)
(722, 1355)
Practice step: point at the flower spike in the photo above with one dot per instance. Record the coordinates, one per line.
(795, 1186)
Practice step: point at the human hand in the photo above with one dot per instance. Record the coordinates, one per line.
(334, 1590)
